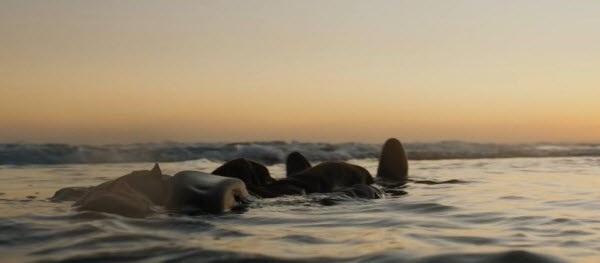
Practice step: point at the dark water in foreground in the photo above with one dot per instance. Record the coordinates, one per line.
(509, 210)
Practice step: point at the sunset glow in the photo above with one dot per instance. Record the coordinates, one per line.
(139, 71)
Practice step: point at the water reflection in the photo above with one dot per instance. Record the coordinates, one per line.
(548, 206)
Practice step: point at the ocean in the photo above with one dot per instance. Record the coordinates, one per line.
(511, 203)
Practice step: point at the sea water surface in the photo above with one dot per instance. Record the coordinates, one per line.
(502, 210)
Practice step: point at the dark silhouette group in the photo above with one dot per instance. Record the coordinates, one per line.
(236, 183)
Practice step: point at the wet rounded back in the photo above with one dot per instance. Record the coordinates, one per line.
(393, 164)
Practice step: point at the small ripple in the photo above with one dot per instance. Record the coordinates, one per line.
(199, 255)
(480, 218)
(303, 239)
(89, 215)
(528, 229)
(425, 207)
(11, 230)
(513, 197)
(473, 240)
(563, 221)
(520, 220)
(229, 233)
(183, 225)
(571, 243)
(103, 241)
(565, 233)
(431, 182)
(441, 225)
(517, 256)
(25, 234)
(122, 255)
(575, 233)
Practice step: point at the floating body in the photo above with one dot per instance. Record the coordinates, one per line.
(331, 176)
(136, 194)
(132, 195)
(193, 191)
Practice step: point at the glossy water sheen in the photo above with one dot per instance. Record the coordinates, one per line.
(546, 206)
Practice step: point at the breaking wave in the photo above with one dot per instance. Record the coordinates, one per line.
(274, 152)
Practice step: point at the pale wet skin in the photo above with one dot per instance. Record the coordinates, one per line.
(546, 206)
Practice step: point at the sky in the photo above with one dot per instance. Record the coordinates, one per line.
(108, 71)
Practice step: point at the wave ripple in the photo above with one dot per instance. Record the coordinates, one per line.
(273, 152)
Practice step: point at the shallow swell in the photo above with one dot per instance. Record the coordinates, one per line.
(99, 238)
(295, 229)
(503, 210)
(173, 254)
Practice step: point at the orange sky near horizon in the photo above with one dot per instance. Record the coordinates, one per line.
(141, 71)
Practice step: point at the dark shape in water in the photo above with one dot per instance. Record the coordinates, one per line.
(295, 163)
(227, 187)
(130, 195)
(252, 173)
(393, 164)
(117, 197)
(193, 191)
(430, 182)
(516, 256)
(70, 194)
(331, 176)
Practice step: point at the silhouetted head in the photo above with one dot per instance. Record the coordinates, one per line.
(393, 164)
(150, 183)
(252, 173)
(295, 163)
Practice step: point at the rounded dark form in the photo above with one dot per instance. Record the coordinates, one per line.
(331, 176)
(295, 163)
(197, 191)
(70, 194)
(393, 164)
(252, 173)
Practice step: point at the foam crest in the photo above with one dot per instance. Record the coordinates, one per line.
(274, 152)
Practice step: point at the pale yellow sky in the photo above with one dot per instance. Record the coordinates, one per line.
(138, 71)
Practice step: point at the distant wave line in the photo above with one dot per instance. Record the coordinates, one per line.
(274, 152)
